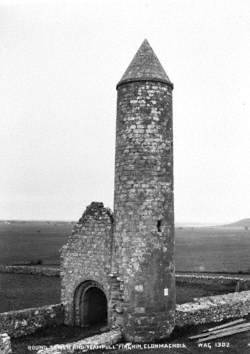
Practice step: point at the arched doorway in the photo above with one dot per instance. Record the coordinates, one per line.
(90, 305)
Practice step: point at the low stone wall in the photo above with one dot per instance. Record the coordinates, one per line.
(213, 309)
(27, 321)
(194, 278)
(203, 310)
(101, 341)
(5, 345)
(47, 271)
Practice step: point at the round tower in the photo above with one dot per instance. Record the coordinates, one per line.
(143, 254)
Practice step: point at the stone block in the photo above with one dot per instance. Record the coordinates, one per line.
(5, 344)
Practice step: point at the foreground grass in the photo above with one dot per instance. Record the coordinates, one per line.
(236, 344)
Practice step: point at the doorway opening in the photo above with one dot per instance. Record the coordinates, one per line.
(90, 305)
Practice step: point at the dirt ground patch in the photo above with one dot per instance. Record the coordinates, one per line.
(51, 336)
(236, 344)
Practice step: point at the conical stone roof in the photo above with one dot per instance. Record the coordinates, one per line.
(145, 66)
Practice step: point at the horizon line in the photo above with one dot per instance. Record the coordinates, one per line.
(176, 223)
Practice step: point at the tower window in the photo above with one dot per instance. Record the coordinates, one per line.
(159, 225)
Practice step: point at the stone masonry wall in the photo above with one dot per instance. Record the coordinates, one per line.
(143, 208)
(116, 319)
(46, 271)
(23, 322)
(237, 281)
(5, 344)
(87, 255)
(213, 309)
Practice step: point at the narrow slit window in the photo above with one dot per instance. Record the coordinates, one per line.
(159, 225)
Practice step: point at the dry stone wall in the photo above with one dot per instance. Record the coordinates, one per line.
(27, 321)
(203, 310)
(46, 271)
(5, 344)
(237, 281)
(213, 309)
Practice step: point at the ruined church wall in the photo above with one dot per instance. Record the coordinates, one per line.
(87, 255)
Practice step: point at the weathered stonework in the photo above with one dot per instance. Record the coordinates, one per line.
(27, 321)
(239, 282)
(213, 309)
(5, 344)
(130, 257)
(143, 201)
(86, 257)
(46, 271)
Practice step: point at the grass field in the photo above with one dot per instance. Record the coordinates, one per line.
(213, 249)
(205, 249)
(22, 242)
(20, 291)
(202, 249)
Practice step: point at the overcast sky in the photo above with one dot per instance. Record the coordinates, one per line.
(59, 64)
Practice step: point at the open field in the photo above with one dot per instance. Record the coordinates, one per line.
(22, 242)
(213, 249)
(204, 249)
(20, 291)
